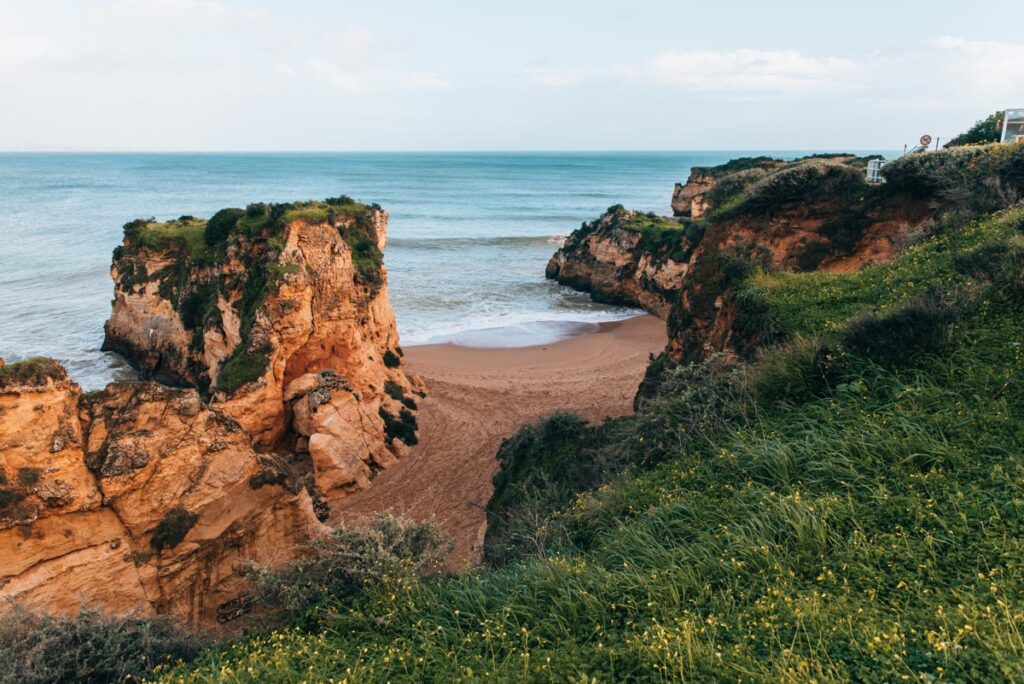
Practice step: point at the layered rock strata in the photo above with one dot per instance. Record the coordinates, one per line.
(276, 331)
(810, 214)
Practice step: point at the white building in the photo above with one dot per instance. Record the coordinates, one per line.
(874, 172)
(1013, 126)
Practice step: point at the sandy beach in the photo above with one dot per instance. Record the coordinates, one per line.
(479, 396)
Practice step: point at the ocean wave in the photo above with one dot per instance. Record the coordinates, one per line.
(506, 320)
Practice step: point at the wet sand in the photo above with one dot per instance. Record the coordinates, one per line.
(476, 397)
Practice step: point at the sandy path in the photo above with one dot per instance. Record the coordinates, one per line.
(478, 397)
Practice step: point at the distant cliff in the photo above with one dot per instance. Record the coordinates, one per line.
(815, 213)
(692, 198)
(274, 326)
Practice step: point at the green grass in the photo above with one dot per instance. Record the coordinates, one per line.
(35, 370)
(242, 367)
(187, 234)
(664, 237)
(869, 531)
(806, 303)
(795, 184)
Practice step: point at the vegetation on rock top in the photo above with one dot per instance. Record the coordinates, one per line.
(198, 248)
(33, 372)
(988, 130)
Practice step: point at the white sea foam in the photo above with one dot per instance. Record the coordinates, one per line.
(516, 329)
(469, 237)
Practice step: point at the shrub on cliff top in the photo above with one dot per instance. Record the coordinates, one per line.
(979, 179)
(732, 185)
(344, 561)
(88, 648)
(220, 226)
(988, 130)
(805, 182)
(739, 164)
(33, 372)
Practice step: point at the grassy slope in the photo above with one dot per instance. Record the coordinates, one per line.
(871, 533)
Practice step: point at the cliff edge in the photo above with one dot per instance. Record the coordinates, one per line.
(283, 390)
(760, 214)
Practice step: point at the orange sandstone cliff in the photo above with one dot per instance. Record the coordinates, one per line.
(274, 327)
(815, 213)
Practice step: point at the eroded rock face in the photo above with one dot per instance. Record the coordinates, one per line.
(688, 199)
(818, 217)
(94, 483)
(691, 199)
(289, 393)
(241, 321)
(609, 259)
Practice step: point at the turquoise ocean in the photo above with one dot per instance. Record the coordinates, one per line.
(469, 236)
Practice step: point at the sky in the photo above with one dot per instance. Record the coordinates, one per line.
(524, 75)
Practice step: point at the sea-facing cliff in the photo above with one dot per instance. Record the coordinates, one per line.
(811, 214)
(275, 385)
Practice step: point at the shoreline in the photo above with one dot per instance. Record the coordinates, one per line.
(479, 396)
(521, 335)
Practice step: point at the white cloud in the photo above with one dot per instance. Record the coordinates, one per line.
(346, 78)
(559, 78)
(193, 14)
(356, 42)
(983, 67)
(18, 51)
(736, 72)
(752, 70)
(567, 78)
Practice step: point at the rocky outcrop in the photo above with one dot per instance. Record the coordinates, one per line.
(625, 257)
(694, 198)
(275, 328)
(291, 290)
(814, 213)
(139, 499)
(688, 198)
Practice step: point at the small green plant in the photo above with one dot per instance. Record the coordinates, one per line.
(395, 391)
(242, 367)
(34, 371)
(801, 370)
(402, 428)
(391, 359)
(342, 563)
(172, 528)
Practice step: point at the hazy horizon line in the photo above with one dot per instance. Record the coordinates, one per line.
(58, 150)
